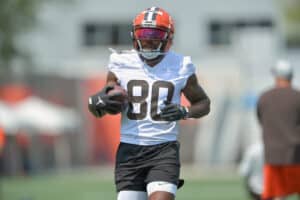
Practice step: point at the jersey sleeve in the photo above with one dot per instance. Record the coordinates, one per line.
(188, 68)
(114, 64)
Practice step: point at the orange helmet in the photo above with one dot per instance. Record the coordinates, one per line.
(152, 24)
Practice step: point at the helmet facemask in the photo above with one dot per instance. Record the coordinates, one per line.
(150, 42)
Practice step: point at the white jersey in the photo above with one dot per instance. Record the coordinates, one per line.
(251, 166)
(148, 88)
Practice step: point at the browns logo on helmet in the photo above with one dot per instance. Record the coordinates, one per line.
(152, 33)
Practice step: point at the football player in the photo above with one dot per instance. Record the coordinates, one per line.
(147, 160)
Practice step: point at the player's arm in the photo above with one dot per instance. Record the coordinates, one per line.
(200, 103)
(111, 79)
(101, 103)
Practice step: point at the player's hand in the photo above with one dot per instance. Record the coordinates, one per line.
(101, 103)
(173, 112)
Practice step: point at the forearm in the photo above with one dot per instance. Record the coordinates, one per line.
(200, 103)
(199, 109)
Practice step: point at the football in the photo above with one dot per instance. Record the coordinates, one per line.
(119, 94)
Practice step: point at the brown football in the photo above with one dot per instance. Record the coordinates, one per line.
(120, 92)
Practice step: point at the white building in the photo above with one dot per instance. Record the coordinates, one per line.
(76, 34)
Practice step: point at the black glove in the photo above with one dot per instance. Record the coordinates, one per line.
(102, 103)
(173, 112)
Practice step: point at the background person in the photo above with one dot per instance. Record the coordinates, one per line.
(278, 111)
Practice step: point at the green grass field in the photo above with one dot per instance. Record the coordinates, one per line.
(77, 189)
(98, 185)
(49, 188)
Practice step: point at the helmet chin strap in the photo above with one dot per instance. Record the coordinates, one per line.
(150, 54)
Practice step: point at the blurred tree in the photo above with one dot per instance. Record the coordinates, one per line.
(291, 10)
(16, 17)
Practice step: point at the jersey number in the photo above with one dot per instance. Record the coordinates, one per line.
(141, 99)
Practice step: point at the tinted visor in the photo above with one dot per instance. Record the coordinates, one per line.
(150, 34)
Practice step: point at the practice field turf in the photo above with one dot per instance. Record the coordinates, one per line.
(49, 188)
(98, 185)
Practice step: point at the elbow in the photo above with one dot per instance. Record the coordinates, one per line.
(200, 109)
(205, 109)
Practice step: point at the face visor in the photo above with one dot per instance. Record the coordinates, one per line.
(150, 34)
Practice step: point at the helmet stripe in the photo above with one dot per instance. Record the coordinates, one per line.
(151, 14)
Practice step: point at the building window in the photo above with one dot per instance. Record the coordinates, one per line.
(221, 32)
(97, 34)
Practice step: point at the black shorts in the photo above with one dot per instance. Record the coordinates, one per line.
(136, 165)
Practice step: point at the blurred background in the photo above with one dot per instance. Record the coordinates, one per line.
(53, 55)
